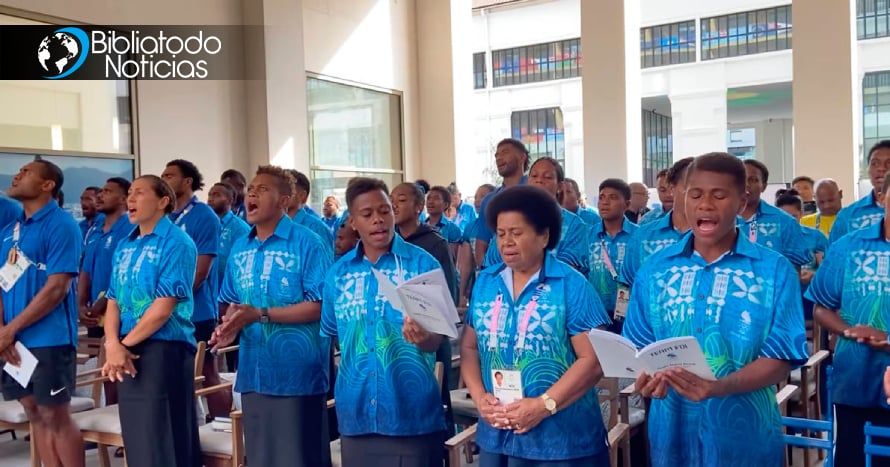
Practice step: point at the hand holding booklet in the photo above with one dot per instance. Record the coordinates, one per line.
(425, 298)
(23, 372)
(619, 358)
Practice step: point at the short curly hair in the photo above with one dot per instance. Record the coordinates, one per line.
(285, 179)
(538, 207)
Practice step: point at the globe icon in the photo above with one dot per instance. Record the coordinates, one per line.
(57, 52)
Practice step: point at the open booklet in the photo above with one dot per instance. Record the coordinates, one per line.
(619, 357)
(425, 298)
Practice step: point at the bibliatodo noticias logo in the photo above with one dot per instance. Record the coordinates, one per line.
(122, 52)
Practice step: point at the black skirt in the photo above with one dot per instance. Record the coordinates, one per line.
(157, 407)
(388, 451)
(286, 431)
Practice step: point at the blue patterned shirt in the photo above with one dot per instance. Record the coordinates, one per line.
(232, 228)
(743, 306)
(566, 306)
(652, 216)
(649, 238)
(199, 221)
(589, 216)
(384, 384)
(858, 215)
(160, 264)
(600, 276)
(466, 215)
(854, 280)
(777, 230)
(332, 222)
(279, 359)
(571, 249)
(52, 242)
(98, 261)
(314, 223)
(448, 230)
(483, 232)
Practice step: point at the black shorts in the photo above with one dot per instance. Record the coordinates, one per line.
(53, 380)
(203, 333)
(96, 331)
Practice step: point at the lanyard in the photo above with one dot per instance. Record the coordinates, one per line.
(522, 327)
(607, 260)
(818, 221)
(16, 233)
(89, 232)
(752, 232)
(184, 212)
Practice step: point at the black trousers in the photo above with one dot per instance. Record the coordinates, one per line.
(850, 434)
(157, 407)
(286, 431)
(488, 459)
(392, 451)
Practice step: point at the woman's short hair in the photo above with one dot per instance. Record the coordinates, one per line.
(161, 189)
(443, 192)
(536, 205)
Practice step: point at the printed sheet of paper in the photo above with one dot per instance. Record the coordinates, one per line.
(425, 298)
(22, 373)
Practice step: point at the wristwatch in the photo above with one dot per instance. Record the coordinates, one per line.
(264, 315)
(549, 403)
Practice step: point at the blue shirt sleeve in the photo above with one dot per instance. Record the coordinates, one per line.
(227, 293)
(786, 339)
(453, 234)
(584, 310)
(177, 270)
(840, 226)
(316, 263)
(328, 317)
(206, 232)
(572, 249)
(63, 246)
(821, 242)
(111, 293)
(637, 327)
(484, 234)
(492, 254)
(826, 288)
(795, 243)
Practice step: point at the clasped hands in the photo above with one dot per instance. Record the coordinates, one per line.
(687, 384)
(520, 416)
(236, 318)
(118, 361)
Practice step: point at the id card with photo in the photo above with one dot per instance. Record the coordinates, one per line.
(506, 385)
(622, 297)
(13, 269)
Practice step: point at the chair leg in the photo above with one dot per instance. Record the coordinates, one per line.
(104, 460)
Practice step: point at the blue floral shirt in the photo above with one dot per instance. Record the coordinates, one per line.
(158, 265)
(600, 276)
(233, 228)
(466, 215)
(777, 230)
(743, 306)
(572, 246)
(854, 280)
(384, 384)
(566, 306)
(648, 239)
(287, 268)
(858, 215)
(307, 219)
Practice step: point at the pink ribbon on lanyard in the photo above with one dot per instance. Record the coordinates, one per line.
(495, 322)
(752, 232)
(526, 317)
(608, 260)
(523, 323)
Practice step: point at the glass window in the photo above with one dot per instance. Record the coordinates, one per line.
(658, 151)
(479, 78)
(353, 130)
(79, 172)
(875, 111)
(542, 132)
(667, 44)
(333, 182)
(872, 18)
(746, 33)
(536, 63)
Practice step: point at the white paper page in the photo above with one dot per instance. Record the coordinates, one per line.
(424, 304)
(437, 277)
(386, 288)
(22, 373)
(617, 355)
(677, 352)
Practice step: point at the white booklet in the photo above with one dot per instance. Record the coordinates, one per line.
(22, 373)
(425, 298)
(619, 358)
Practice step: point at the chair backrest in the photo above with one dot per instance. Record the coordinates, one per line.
(872, 449)
(87, 348)
(609, 399)
(814, 427)
(439, 371)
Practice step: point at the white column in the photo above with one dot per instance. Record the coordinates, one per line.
(437, 84)
(826, 89)
(699, 122)
(277, 126)
(610, 84)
